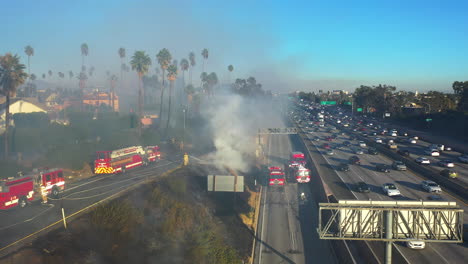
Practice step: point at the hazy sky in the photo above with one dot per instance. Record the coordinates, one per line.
(286, 45)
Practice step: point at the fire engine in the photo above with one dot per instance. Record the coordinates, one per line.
(276, 176)
(302, 174)
(297, 158)
(19, 191)
(108, 162)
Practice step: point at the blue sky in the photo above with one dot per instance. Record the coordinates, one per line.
(286, 45)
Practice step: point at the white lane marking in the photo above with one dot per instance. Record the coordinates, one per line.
(264, 207)
(440, 255)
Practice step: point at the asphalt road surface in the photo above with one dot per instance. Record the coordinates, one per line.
(18, 223)
(287, 224)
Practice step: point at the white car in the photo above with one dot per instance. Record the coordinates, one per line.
(378, 140)
(433, 152)
(416, 244)
(390, 189)
(393, 134)
(362, 144)
(446, 163)
(412, 141)
(463, 158)
(423, 160)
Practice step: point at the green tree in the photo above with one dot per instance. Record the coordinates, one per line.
(164, 58)
(84, 53)
(12, 75)
(461, 89)
(29, 52)
(140, 63)
(171, 76)
(192, 64)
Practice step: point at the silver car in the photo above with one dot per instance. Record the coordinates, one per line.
(431, 186)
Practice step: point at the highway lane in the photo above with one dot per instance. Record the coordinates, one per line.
(287, 228)
(18, 223)
(408, 184)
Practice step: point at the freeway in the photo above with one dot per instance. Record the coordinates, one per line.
(286, 228)
(408, 183)
(19, 225)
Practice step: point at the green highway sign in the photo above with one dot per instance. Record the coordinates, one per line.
(428, 119)
(359, 109)
(327, 102)
(347, 103)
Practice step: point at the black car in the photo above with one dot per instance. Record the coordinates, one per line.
(352, 137)
(363, 187)
(372, 151)
(346, 143)
(343, 167)
(354, 160)
(403, 152)
(382, 168)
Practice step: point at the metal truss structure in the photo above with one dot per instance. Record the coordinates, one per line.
(282, 130)
(391, 221)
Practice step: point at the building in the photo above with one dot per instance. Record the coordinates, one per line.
(99, 98)
(19, 105)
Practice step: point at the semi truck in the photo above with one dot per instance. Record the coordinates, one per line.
(114, 161)
(24, 189)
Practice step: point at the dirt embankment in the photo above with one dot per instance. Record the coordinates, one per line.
(173, 220)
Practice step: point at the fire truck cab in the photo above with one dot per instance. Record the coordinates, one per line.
(302, 174)
(276, 176)
(297, 158)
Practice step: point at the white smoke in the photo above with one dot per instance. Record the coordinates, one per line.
(234, 122)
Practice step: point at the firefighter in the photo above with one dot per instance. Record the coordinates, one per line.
(186, 159)
(44, 194)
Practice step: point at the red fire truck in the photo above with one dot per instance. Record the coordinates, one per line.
(302, 174)
(297, 158)
(276, 176)
(108, 162)
(19, 191)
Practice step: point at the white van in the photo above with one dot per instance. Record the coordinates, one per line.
(433, 152)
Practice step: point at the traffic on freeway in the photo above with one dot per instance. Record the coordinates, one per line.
(368, 174)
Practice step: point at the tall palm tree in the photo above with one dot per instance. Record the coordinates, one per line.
(189, 91)
(30, 52)
(204, 54)
(140, 63)
(203, 80)
(184, 65)
(12, 75)
(43, 76)
(212, 81)
(84, 52)
(112, 79)
(82, 77)
(164, 58)
(230, 69)
(70, 74)
(192, 64)
(33, 77)
(171, 76)
(50, 74)
(122, 54)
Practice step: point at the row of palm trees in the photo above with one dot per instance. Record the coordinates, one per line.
(12, 75)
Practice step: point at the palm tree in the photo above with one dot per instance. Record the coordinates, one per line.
(140, 63)
(230, 69)
(33, 77)
(164, 58)
(50, 74)
(113, 79)
(82, 77)
(30, 52)
(203, 80)
(171, 76)
(84, 52)
(122, 54)
(192, 64)
(204, 54)
(212, 81)
(12, 75)
(189, 91)
(70, 74)
(184, 65)
(43, 76)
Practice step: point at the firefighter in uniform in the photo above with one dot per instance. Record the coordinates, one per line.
(186, 159)
(44, 194)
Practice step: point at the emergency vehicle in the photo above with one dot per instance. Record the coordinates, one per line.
(297, 158)
(19, 191)
(302, 174)
(276, 176)
(108, 162)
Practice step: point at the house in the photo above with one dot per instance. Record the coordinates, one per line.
(19, 105)
(99, 98)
